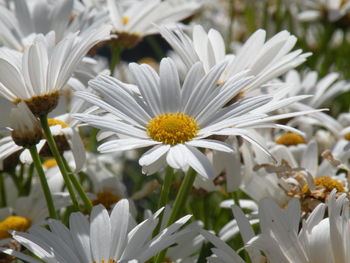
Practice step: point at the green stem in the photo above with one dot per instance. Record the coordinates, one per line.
(279, 16)
(21, 175)
(181, 196)
(2, 190)
(92, 140)
(164, 195)
(43, 181)
(230, 27)
(249, 14)
(155, 47)
(115, 59)
(78, 187)
(179, 204)
(25, 190)
(265, 16)
(56, 154)
(236, 199)
(325, 50)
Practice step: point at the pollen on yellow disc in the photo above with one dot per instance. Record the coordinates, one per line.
(172, 128)
(325, 182)
(125, 20)
(106, 198)
(289, 139)
(347, 136)
(50, 163)
(53, 122)
(16, 223)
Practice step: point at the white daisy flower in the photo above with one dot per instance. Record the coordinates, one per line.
(302, 177)
(22, 21)
(188, 246)
(26, 211)
(106, 238)
(265, 60)
(323, 90)
(319, 240)
(222, 252)
(133, 20)
(44, 68)
(331, 10)
(174, 120)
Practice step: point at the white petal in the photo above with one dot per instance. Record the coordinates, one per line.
(78, 150)
(211, 144)
(169, 86)
(125, 144)
(79, 227)
(199, 162)
(153, 154)
(120, 225)
(100, 231)
(175, 157)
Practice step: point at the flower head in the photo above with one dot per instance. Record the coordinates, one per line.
(135, 19)
(37, 76)
(174, 120)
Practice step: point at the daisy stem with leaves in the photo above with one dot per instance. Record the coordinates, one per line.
(179, 204)
(54, 150)
(43, 181)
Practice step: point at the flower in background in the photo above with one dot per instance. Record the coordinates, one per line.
(222, 252)
(132, 20)
(106, 238)
(21, 21)
(323, 90)
(298, 175)
(265, 60)
(331, 11)
(26, 211)
(320, 239)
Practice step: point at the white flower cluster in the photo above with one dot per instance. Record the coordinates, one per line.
(128, 127)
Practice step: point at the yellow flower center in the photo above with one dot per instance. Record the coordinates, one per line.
(106, 198)
(106, 261)
(149, 61)
(125, 20)
(16, 223)
(347, 136)
(172, 128)
(326, 183)
(53, 122)
(290, 139)
(50, 163)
